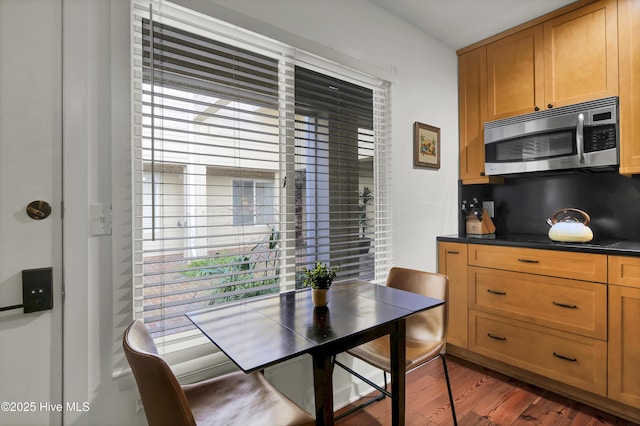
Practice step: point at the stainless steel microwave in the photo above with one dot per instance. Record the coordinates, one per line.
(577, 136)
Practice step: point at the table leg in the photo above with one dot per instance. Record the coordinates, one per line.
(398, 362)
(323, 385)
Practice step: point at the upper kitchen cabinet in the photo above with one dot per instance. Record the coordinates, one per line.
(565, 57)
(472, 92)
(565, 60)
(515, 72)
(472, 103)
(581, 55)
(629, 61)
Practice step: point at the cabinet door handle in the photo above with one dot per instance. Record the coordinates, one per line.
(566, 358)
(501, 293)
(452, 252)
(493, 336)
(565, 305)
(528, 261)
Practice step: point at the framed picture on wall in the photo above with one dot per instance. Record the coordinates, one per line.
(426, 146)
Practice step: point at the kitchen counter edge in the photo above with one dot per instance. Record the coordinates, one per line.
(614, 248)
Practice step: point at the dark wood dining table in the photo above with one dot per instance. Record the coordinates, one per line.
(264, 331)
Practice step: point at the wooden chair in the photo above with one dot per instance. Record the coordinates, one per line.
(233, 399)
(426, 333)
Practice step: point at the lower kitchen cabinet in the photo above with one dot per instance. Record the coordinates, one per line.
(624, 330)
(566, 357)
(551, 263)
(562, 320)
(624, 345)
(520, 314)
(574, 306)
(452, 261)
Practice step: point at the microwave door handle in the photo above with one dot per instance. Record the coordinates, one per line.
(580, 137)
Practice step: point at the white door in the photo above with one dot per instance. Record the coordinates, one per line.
(30, 170)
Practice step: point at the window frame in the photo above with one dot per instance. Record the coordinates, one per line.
(181, 348)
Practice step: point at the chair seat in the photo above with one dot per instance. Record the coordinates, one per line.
(242, 399)
(378, 352)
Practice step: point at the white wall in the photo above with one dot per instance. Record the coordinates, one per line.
(96, 141)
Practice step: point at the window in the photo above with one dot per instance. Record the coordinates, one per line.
(250, 166)
(253, 203)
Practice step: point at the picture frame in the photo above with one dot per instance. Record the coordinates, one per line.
(426, 146)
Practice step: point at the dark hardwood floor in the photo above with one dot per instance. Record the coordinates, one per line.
(482, 397)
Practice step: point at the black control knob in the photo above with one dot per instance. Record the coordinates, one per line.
(536, 108)
(550, 106)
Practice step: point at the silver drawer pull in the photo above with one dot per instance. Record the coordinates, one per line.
(500, 293)
(528, 261)
(564, 305)
(496, 337)
(566, 358)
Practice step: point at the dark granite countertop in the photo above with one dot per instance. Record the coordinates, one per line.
(598, 246)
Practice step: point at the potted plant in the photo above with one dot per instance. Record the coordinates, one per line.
(319, 279)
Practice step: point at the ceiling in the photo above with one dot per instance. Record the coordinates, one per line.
(459, 23)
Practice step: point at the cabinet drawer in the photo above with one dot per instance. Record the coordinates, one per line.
(567, 305)
(624, 270)
(563, 264)
(568, 358)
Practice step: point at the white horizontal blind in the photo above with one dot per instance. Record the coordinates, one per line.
(334, 174)
(247, 169)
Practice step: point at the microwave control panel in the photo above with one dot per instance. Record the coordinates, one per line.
(599, 138)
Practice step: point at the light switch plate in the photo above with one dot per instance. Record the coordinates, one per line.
(100, 219)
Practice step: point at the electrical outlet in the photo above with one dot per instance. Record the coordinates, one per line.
(37, 289)
(489, 206)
